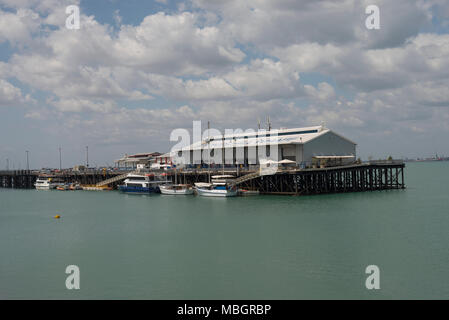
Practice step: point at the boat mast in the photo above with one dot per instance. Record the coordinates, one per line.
(208, 148)
(223, 154)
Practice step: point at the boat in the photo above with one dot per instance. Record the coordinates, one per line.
(176, 189)
(95, 188)
(75, 186)
(221, 186)
(246, 192)
(47, 183)
(64, 187)
(43, 184)
(215, 190)
(141, 184)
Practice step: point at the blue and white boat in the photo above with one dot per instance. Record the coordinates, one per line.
(221, 186)
(140, 184)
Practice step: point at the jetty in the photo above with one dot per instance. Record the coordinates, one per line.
(296, 161)
(25, 179)
(356, 177)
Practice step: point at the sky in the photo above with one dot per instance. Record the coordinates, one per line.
(136, 70)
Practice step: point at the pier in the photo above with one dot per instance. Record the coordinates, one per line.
(18, 179)
(371, 176)
(25, 179)
(357, 177)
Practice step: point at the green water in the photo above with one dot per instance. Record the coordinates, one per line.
(266, 247)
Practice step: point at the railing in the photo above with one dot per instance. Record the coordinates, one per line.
(114, 179)
(393, 161)
(16, 172)
(247, 177)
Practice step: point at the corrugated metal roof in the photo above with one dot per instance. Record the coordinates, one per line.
(273, 137)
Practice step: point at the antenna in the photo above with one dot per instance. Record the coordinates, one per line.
(269, 123)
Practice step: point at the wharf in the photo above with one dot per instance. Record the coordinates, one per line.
(370, 176)
(357, 177)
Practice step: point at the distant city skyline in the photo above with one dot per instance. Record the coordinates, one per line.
(136, 70)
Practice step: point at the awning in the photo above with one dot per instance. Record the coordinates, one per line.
(265, 161)
(285, 161)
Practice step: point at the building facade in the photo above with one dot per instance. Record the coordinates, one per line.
(297, 145)
(137, 161)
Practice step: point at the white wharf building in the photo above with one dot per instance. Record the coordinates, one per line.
(298, 145)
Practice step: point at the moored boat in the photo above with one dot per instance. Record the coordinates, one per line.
(43, 184)
(63, 187)
(75, 186)
(214, 190)
(95, 188)
(176, 189)
(221, 186)
(140, 184)
(245, 192)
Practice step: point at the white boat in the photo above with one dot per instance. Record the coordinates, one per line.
(216, 191)
(46, 183)
(220, 187)
(176, 189)
(43, 184)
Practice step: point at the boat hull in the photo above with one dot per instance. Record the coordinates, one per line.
(139, 190)
(39, 187)
(221, 193)
(176, 192)
(247, 193)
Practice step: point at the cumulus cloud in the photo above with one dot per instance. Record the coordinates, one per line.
(233, 62)
(11, 95)
(17, 28)
(261, 79)
(175, 44)
(269, 23)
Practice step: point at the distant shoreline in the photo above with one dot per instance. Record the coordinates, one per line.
(426, 160)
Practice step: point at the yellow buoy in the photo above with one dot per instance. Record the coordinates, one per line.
(57, 216)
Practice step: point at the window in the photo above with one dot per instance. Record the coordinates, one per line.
(137, 178)
(134, 185)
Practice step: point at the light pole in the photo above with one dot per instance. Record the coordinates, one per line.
(87, 156)
(28, 161)
(7, 164)
(60, 159)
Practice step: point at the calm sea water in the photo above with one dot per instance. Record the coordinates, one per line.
(266, 247)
